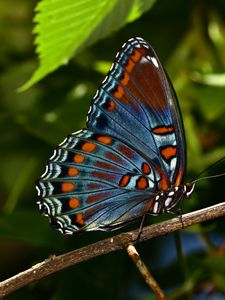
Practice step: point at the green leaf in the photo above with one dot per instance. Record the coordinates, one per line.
(65, 27)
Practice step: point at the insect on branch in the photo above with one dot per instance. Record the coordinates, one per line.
(55, 263)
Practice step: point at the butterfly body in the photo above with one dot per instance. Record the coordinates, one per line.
(130, 160)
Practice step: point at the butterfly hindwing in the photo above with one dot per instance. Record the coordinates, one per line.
(96, 181)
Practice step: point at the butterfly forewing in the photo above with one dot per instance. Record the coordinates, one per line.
(134, 147)
(136, 103)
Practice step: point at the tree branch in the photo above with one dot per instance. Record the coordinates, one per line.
(56, 263)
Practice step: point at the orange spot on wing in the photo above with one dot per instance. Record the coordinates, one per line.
(124, 181)
(78, 158)
(88, 147)
(119, 93)
(142, 183)
(79, 219)
(73, 171)
(125, 79)
(163, 129)
(104, 139)
(179, 177)
(163, 183)
(168, 152)
(130, 65)
(111, 105)
(67, 186)
(74, 203)
(146, 168)
(136, 56)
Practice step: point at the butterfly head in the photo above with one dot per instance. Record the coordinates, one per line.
(166, 200)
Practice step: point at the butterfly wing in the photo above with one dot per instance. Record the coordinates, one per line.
(95, 182)
(136, 103)
(134, 147)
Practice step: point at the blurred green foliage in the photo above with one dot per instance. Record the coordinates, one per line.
(189, 37)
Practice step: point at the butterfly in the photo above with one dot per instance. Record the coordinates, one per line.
(129, 161)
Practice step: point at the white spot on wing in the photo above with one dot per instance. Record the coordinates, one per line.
(77, 132)
(168, 201)
(173, 163)
(171, 193)
(155, 207)
(64, 141)
(96, 94)
(59, 223)
(46, 208)
(155, 63)
(39, 193)
(45, 172)
(112, 66)
(90, 109)
(68, 232)
(54, 155)
(106, 78)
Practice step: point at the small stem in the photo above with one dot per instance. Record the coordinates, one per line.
(183, 261)
(180, 255)
(149, 279)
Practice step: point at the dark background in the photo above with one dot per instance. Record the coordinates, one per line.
(189, 38)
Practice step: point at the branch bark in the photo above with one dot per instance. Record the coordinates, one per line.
(56, 263)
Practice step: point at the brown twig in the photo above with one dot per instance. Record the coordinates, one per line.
(56, 263)
(149, 279)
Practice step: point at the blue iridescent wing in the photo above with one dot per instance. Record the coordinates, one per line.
(136, 103)
(105, 176)
(95, 182)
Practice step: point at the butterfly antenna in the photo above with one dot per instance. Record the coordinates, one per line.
(208, 168)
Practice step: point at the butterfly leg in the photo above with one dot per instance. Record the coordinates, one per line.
(140, 229)
(179, 212)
